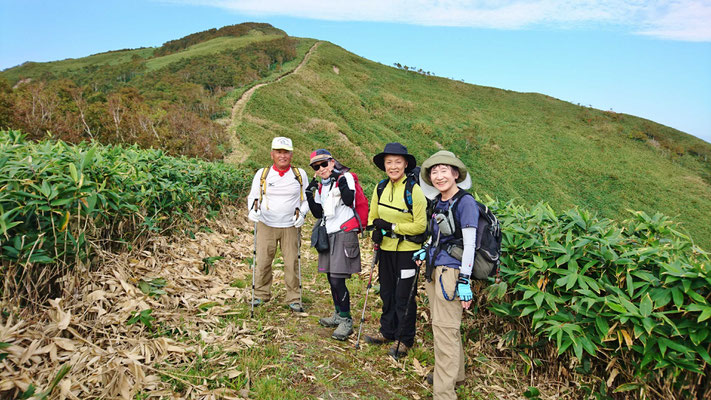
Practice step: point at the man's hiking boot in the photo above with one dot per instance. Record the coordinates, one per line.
(430, 380)
(377, 339)
(345, 329)
(401, 349)
(296, 307)
(256, 302)
(332, 321)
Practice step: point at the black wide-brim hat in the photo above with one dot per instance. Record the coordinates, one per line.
(395, 149)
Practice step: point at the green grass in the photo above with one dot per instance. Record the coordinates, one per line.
(523, 146)
(209, 47)
(302, 47)
(37, 69)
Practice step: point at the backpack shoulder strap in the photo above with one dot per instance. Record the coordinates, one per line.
(407, 194)
(297, 176)
(263, 184)
(455, 202)
(381, 187)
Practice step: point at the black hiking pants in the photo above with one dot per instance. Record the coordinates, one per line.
(394, 291)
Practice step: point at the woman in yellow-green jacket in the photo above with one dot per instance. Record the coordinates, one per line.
(398, 214)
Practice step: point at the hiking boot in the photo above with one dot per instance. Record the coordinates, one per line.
(256, 302)
(296, 307)
(430, 380)
(402, 350)
(345, 329)
(332, 321)
(377, 339)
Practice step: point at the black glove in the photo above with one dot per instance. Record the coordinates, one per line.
(347, 195)
(313, 185)
(377, 236)
(380, 223)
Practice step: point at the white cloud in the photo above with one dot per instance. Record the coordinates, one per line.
(681, 20)
(688, 20)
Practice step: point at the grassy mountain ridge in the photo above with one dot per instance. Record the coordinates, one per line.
(200, 43)
(174, 101)
(524, 146)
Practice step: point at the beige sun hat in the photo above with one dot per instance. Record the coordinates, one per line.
(464, 181)
(282, 143)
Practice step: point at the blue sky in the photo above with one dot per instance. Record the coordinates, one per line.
(647, 58)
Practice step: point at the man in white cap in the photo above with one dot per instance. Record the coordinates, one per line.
(277, 202)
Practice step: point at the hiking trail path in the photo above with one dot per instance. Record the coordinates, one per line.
(171, 319)
(240, 153)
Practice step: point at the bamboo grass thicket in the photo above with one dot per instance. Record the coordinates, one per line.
(57, 200)
(631, 298)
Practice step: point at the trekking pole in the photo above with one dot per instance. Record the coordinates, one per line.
(297, 212)
(376, 247)
(407, 309)
(254, 259)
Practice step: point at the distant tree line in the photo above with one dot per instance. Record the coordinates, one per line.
(174, 108)
(413, 69)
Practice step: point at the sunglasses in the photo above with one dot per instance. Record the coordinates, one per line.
(318, 166)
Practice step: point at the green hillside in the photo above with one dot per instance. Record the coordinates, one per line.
(202, 43)
(35, 70)
(176, 97)
(211, 47)
(586, 307)
(523, 146)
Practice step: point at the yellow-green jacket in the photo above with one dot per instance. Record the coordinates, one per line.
(405, 223)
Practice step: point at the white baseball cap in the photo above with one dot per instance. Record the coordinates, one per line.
(282, 143)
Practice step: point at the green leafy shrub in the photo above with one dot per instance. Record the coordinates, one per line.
(56, 200)
(632, 297)
(637, 135)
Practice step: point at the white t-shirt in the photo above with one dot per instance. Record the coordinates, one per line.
(281, 198)
(335, 212)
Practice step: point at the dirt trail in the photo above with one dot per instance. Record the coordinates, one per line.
(239, 153)
(196, 290)
(196, 339)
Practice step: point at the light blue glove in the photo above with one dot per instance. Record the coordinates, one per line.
(464, 289)
(419, 255)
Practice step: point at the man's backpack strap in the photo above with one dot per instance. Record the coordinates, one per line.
(263, 184)
(297, 175)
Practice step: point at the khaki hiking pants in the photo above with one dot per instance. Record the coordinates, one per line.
(446, 320)
(267, 240)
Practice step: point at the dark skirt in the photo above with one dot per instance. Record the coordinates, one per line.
(343, 256)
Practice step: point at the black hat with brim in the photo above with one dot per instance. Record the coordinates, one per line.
(395, 149)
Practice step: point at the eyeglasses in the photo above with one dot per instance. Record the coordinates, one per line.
(318, 166)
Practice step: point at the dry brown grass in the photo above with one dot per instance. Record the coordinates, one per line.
(202, 323)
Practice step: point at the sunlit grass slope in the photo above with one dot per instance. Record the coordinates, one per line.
(37, 69)
(212, 46)
(523, 146)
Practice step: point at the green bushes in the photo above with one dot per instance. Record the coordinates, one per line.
(632, 296)
(56, 200)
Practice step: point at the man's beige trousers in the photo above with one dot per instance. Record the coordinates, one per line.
(267, 240)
